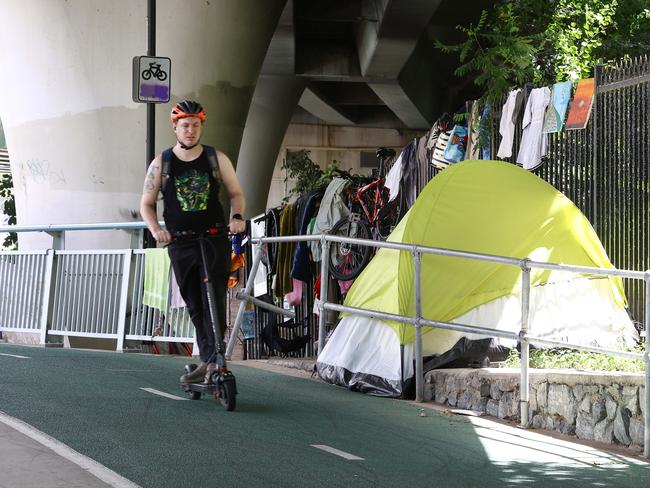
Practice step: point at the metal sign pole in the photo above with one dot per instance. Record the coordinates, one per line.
(148, 240)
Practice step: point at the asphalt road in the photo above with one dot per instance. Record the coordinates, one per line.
(286, 431)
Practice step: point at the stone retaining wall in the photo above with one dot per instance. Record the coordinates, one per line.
(596, 406)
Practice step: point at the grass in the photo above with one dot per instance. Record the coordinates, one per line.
(575, 359)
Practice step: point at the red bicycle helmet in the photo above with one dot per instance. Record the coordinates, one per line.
(188, 108)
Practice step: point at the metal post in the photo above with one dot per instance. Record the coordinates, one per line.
(524, 388)
(48, 293)
(250, 281)
(324, 278)
(417, 288)
(58, 239)
(646, 359)
(124, 298)
(150, 144)
(598, 80)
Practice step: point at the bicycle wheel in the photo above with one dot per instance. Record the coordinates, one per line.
(146, 74)
(387, 219)
(346, 260)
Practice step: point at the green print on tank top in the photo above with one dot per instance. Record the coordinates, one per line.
(192, 191)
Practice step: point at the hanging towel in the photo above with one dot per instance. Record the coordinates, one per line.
(156, 278)
(554, 119)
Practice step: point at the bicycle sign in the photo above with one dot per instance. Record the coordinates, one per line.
(151, 79)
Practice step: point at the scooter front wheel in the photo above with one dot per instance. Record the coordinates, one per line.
(228, 395)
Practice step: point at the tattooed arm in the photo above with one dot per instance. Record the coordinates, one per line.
(150, 191)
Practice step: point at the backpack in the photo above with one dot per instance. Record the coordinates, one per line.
(210, 152)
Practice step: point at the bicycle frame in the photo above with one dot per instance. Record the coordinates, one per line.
(378, 199)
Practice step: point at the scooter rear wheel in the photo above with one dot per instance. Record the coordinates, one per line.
(228, 395)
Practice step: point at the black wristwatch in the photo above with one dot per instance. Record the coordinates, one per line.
(237, 217)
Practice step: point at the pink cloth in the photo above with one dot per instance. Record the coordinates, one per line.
(177, 300)
(294, 297)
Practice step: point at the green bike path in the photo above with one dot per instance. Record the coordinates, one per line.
(96, 403)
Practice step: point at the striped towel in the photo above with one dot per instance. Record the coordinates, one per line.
(156, 278)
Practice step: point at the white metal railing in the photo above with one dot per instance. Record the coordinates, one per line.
(97, 294)
(524, 337)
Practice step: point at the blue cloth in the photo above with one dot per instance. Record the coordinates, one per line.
(457, 145)
(554, 118)
(485, 140)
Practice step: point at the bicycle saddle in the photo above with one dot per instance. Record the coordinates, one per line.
(385, 153)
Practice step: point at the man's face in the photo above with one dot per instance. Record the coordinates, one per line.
(188, 131)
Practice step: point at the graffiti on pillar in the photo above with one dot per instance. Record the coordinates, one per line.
(41, 171)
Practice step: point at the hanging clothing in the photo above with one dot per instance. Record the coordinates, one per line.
(408, 186)
(484, 128)
(473, 144)
(393, 178)
(457, 145)
(533, 141)
(554, 118)
(332, 209)
(283, 284)
(507, 123)
(301, 265)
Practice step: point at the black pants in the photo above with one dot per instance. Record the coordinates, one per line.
(185, 256)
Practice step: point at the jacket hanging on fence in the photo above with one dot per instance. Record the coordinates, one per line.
(301, 265)
(332, 209)
(533, 141)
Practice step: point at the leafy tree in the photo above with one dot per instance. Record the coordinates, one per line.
(543, 41)
(307, 174)
(9, 209)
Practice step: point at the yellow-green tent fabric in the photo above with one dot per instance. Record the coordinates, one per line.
(487, 207)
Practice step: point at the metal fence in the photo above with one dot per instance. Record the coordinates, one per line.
(604, 168)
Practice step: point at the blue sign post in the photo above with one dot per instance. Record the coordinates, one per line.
(151, 79)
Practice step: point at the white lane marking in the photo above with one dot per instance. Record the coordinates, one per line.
(343, 454)
(163, 394)
(14, 356)
(93, 467)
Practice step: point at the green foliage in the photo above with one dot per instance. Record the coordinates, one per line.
(8, 209)
(307, 174)
(543, 41)
(574, 359)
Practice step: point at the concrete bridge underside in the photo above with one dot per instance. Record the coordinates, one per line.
(77, 141)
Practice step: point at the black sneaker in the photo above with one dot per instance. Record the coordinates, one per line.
(195, 376)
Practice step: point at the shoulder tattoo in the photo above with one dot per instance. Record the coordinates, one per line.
(149, 181)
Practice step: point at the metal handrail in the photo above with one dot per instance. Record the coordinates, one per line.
(524, 337)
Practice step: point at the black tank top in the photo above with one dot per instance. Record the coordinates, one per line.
(191, 196)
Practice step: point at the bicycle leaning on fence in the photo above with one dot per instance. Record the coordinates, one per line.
(371, 216)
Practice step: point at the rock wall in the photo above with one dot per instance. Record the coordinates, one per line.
(594, 406)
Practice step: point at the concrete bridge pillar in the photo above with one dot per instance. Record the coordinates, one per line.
(75, 137)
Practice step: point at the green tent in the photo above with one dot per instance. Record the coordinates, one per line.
(488, 207)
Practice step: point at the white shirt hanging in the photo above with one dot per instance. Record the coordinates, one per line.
(533, 141)
(393, 178)
(507, 125)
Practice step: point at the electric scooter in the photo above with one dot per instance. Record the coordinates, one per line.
(221, 383)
